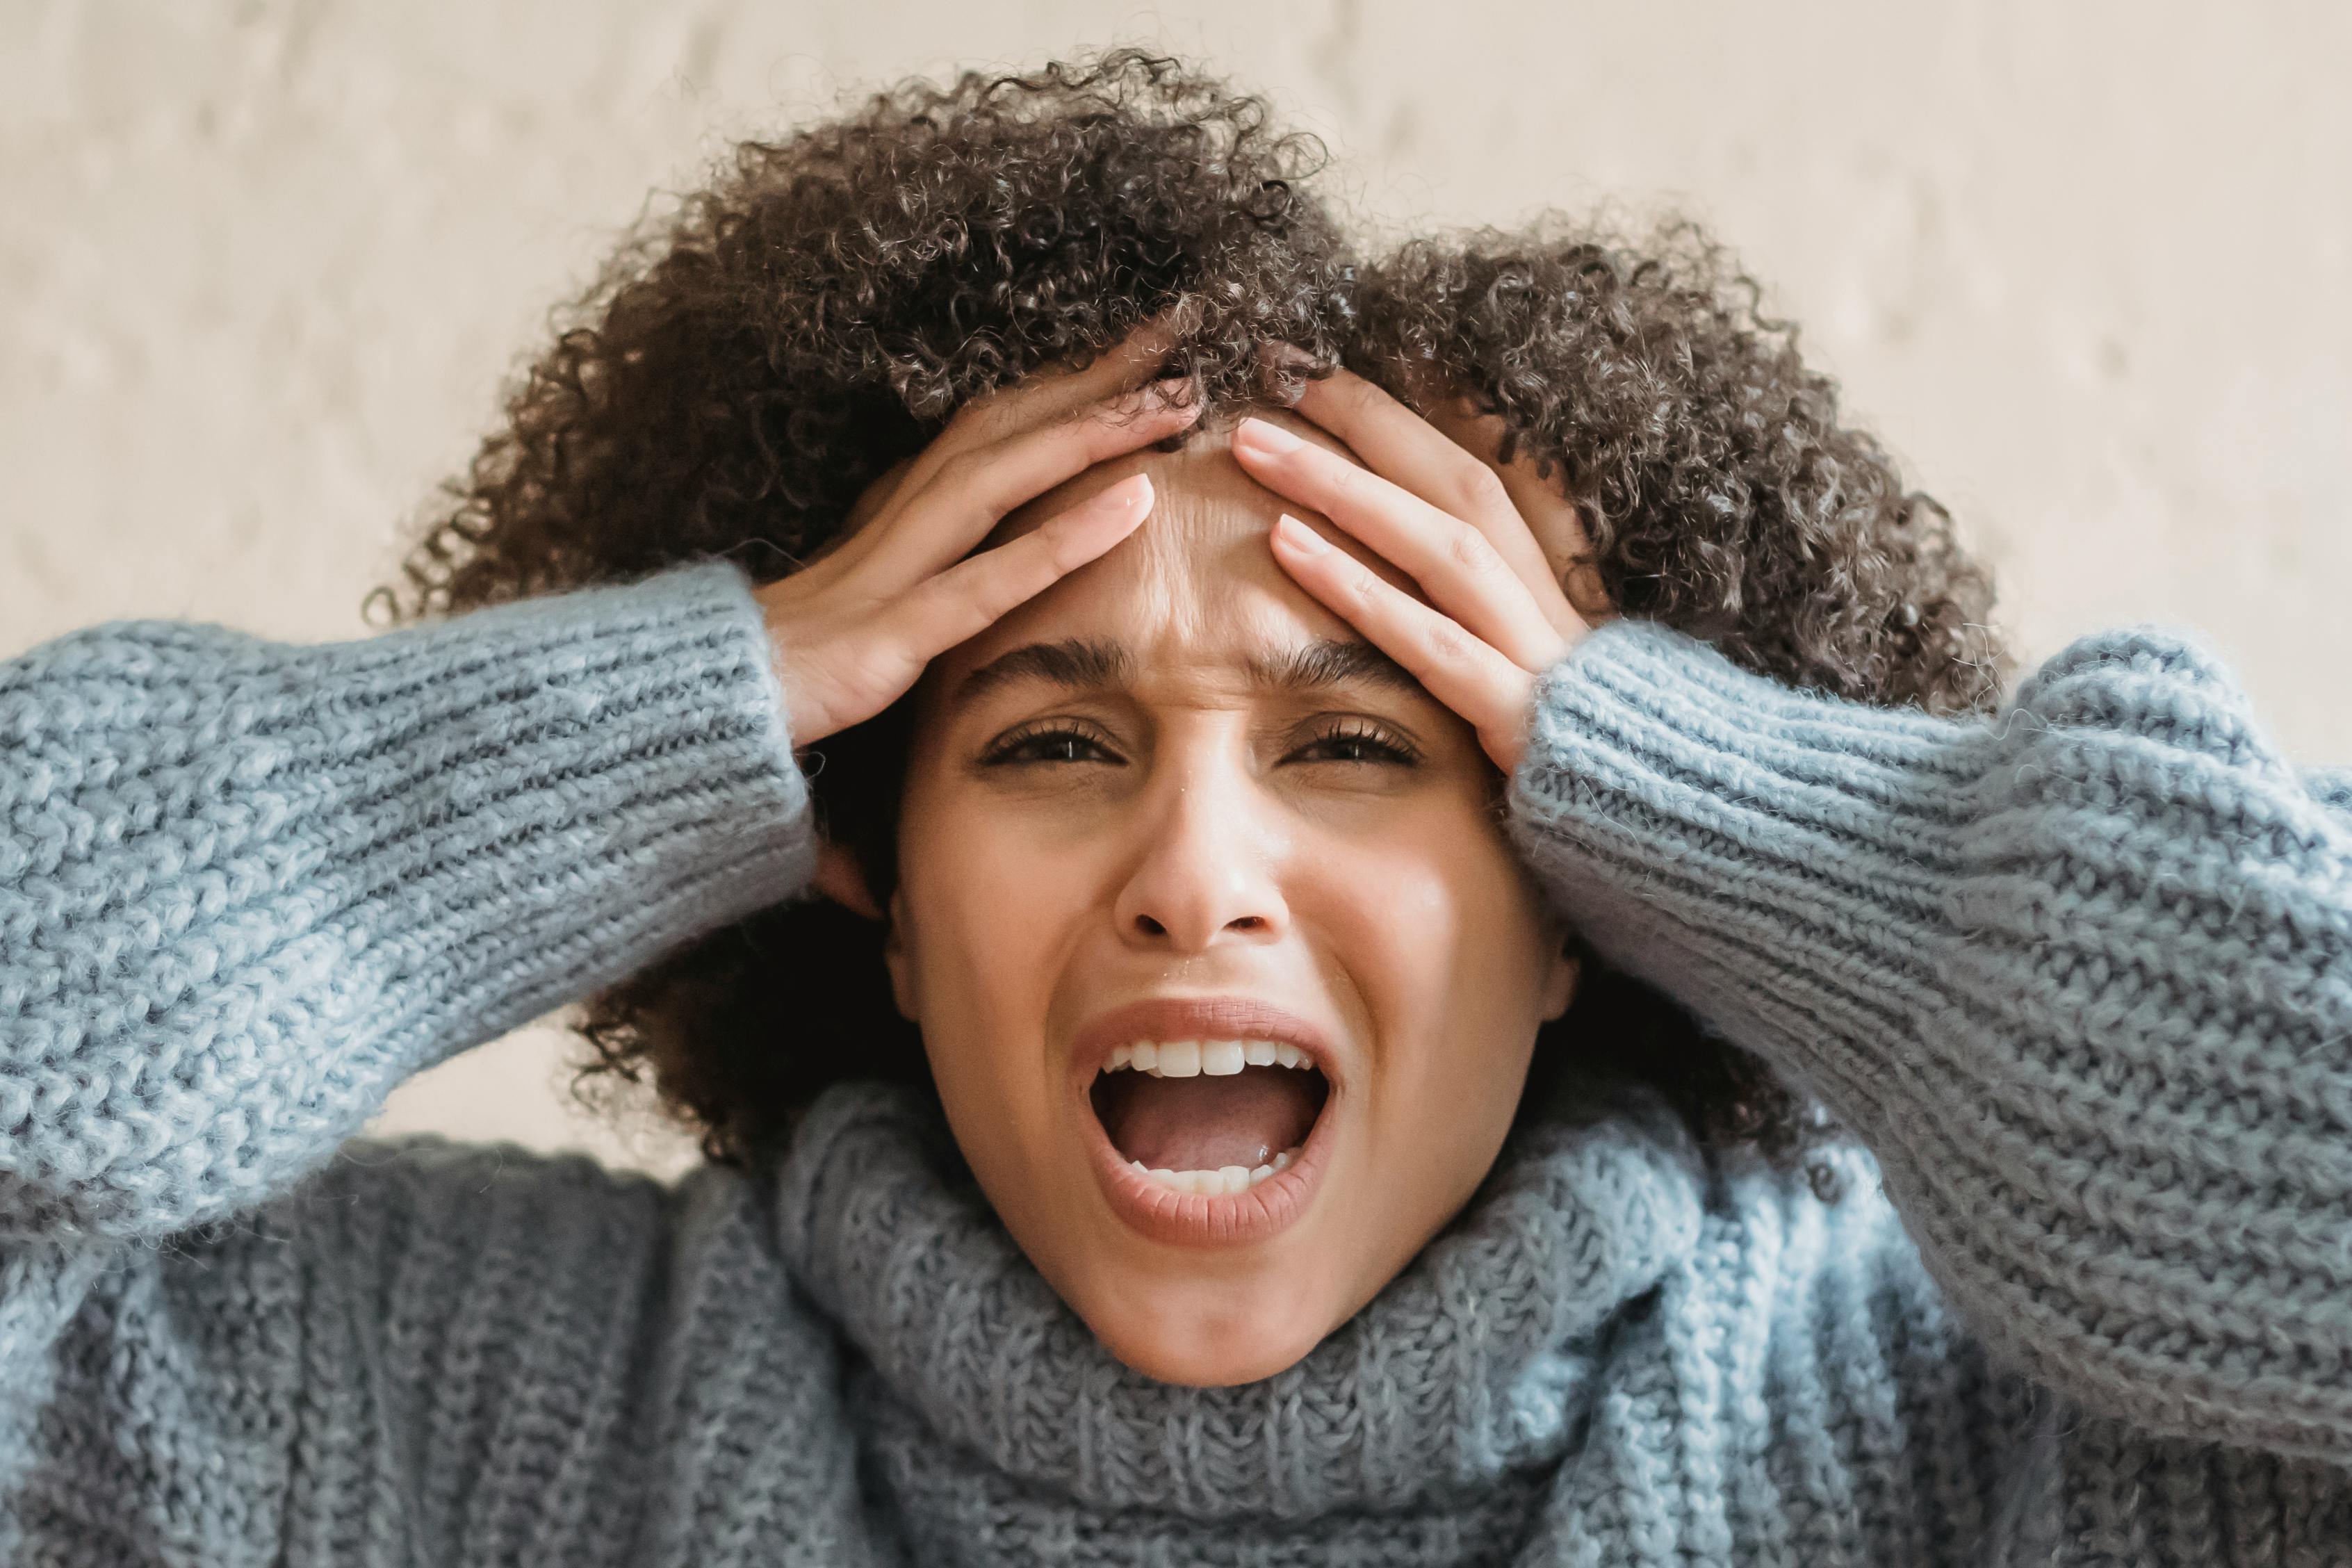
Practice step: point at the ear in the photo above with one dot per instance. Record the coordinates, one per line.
(839, 879)
(1561, 977)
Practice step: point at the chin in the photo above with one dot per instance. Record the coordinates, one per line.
(1241, 1337)
(1233, 1218)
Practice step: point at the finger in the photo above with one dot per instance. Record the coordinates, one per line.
(972, 595)
(1403, 447)
(872, 519)
(1140, 357)
(1542, 499)
(1282, 371)
(1048, 395)
(972, 491)
(1456, 564)
(1468, 674)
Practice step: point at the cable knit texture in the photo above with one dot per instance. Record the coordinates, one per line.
(2080, 981)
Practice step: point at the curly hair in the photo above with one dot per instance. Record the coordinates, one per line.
(747, 365)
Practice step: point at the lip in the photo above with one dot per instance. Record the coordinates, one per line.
(1195, 1219)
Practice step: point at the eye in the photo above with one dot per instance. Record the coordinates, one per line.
(1059, 742)
(1358, 741)
(1346, 740)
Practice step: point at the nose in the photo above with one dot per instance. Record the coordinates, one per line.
(1207, 864)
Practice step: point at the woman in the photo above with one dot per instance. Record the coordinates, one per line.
(1259, 1022)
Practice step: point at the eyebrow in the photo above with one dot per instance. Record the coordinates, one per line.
(1088, 664)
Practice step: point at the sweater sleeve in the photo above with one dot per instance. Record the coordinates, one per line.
(246, 888)
(2081, 977)
(2332, 785)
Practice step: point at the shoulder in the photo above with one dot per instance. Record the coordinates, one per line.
(554, 1267)
(520, 1235)
(585, 1352)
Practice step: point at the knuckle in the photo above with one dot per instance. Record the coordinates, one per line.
(981, 420)
(1479, 489)
(960, 469)
(1059, 551)
(1468, 549)
(1448, 641)
(991, 486)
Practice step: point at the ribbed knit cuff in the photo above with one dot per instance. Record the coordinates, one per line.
(1772, 859)
(535, 800)
(2075, 977)
(262, 883)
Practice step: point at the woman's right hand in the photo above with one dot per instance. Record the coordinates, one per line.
(855, 628)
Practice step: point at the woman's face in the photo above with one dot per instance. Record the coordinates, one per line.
(1175, 802)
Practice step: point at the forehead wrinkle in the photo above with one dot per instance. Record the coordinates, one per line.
(1196, 574)
(1201, 475)
(1194, 555)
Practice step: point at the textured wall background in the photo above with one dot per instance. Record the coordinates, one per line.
(263, 266)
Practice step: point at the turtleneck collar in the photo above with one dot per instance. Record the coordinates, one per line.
(1471, 1365)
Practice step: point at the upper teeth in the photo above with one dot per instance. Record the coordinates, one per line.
(1218, 1058)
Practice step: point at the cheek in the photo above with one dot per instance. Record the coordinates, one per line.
(985, 920)
(1437, 930)
(1441, 939)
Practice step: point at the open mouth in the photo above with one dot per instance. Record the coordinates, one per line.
(1209, 1117)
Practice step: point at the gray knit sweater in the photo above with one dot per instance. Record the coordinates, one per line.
(2080, 979)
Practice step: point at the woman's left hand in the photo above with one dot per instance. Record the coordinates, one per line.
(1453, 522)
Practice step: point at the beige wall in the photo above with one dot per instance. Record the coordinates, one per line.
(263, 266)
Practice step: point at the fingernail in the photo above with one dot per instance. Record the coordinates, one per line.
(1299, 536)
(1268, 437)
(1123, 507)
(1172, 391)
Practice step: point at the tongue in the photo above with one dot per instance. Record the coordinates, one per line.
(1203, 1123)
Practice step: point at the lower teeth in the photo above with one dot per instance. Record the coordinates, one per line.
(1210, 1183)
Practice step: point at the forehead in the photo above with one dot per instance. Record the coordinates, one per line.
(1196, 581)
